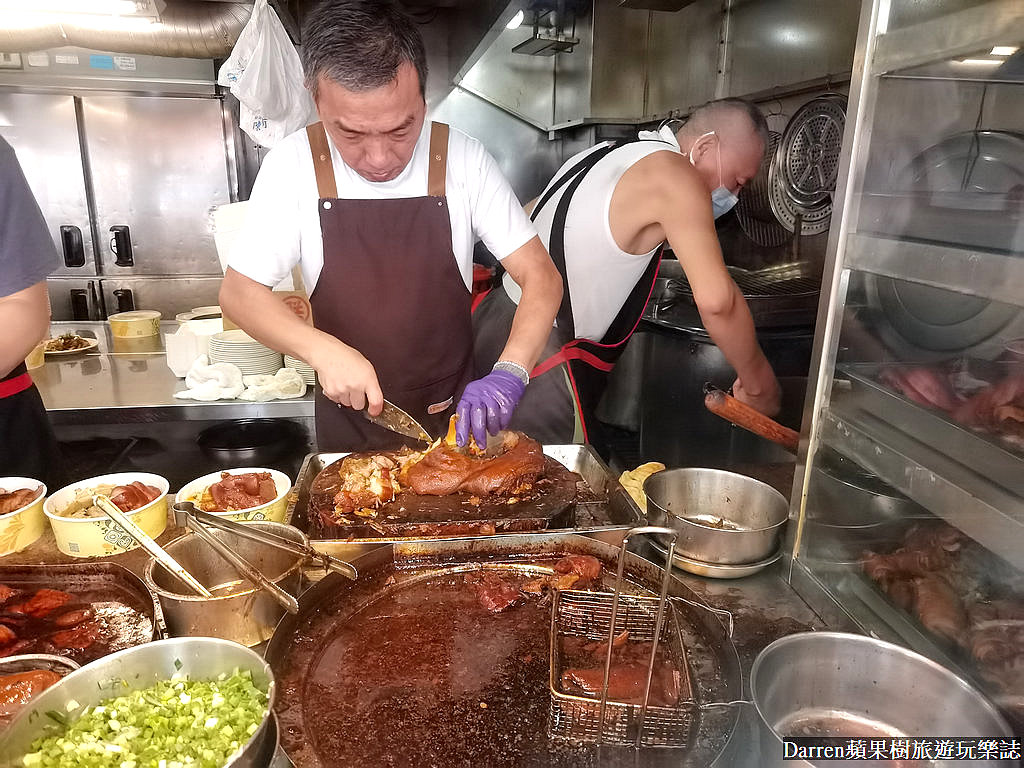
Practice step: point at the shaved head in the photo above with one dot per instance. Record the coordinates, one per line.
(726, 141)
(726, 116)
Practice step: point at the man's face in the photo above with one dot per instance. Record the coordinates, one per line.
(741, 153)
(375, 131)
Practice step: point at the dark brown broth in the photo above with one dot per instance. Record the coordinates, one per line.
(425, 676)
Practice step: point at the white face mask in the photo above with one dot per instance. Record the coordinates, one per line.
(722, 199)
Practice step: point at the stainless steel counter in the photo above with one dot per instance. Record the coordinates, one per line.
(108, 386)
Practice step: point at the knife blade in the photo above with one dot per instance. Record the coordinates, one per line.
(395, 419)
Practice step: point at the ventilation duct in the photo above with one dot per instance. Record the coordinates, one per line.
(193, 30)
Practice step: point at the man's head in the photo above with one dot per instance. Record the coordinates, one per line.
(733, 127)
(366, 67)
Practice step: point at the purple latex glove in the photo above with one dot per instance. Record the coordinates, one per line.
(486, 406)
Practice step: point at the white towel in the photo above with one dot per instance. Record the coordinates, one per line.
(286, 383)
(220, 381)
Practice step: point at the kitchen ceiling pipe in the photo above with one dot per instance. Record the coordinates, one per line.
(187, 29)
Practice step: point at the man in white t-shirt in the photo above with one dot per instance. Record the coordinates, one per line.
(605, 218)
(380, 210)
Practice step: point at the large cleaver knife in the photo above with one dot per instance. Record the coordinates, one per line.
(395, 419)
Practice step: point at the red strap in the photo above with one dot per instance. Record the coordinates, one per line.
(477, 299)
(570, 352)
(15, 385)
(579, 405)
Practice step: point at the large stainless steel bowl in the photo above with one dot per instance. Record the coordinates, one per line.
(238, 611)
(754, 513)
(839, 684)
(134, 669)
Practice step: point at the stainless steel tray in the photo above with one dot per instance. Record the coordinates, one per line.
(981, 453)
(616, 511)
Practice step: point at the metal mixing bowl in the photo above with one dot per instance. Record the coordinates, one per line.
(755, 512)
(238, 611)
(134, 669)
(839, 684)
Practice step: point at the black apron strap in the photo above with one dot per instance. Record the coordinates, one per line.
(556, 245)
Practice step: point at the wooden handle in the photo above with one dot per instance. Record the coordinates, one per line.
(742, 415)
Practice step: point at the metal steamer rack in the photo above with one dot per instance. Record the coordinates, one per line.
(601, 616)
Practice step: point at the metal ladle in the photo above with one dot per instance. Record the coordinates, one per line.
(147, 543)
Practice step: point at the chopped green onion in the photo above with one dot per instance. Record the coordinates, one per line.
(195, 723)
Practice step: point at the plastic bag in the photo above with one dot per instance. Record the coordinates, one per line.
(265, 75)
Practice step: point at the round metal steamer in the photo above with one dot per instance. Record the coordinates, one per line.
(802, 177)
(809, 151)
(335, 604)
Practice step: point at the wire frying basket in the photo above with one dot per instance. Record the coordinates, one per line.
(602, 617)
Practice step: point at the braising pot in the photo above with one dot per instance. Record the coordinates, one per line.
(753, 512)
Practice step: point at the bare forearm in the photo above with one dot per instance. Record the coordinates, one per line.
(25, 319)
(532, 324)
(255, 309)
(733, 332)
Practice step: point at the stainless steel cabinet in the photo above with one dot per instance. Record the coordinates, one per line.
(159, 168)
(909, 500)
(43, 130)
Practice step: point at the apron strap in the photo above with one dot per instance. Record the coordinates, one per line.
(326, 186)
(438, 160)
(556, 244)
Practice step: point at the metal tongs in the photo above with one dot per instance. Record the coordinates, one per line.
(187, 516)
(161, 555)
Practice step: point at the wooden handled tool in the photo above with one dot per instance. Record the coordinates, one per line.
(742, 415)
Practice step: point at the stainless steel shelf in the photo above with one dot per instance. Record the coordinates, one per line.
(998, 22)
(988, 274)
(980, 508)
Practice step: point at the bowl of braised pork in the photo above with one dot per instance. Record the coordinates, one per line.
(84, 530)
(243, 494)
(21, 513)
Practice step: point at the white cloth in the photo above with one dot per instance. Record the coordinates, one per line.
(600, 274)
(282, 225)
(286, 383)
(220, 381)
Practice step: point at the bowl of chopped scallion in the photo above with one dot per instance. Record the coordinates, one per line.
(192, 701)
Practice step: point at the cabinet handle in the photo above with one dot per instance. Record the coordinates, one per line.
(73, 246)
(125, 300)
(79, 304)
(121, 246)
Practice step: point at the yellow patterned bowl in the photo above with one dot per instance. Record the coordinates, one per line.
(101, 536)
(24, 525)
(274, 511)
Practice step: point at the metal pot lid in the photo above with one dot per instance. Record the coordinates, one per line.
(808, 156)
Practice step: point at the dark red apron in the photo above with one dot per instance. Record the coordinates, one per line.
(567, 384)
(390, 287)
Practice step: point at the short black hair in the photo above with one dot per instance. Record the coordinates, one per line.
(360, 44)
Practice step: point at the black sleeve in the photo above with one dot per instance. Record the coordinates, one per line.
(27, 253)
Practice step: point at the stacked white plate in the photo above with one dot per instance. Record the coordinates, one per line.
(305, 369)
(239, 348)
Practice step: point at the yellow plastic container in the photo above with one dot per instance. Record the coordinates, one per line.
(21, 527)
(138, 322)
(274, 511)
(101, 536)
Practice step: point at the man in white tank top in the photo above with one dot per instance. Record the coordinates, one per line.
(604, 218)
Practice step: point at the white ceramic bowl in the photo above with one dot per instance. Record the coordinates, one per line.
(24, 525)
(273, 511)
(101, 536)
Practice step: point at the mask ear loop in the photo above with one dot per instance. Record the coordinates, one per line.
(690, 154)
